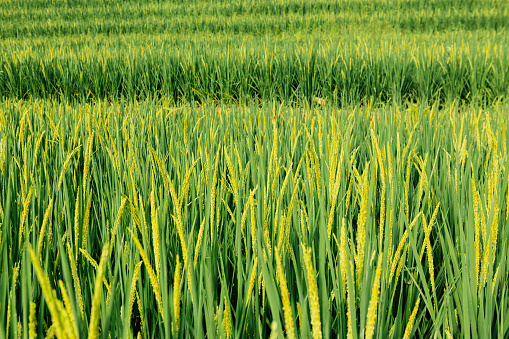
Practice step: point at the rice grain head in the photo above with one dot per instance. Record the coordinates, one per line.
(410, 324)
(314, 303)
(252, 280)
(176, 294)
(227, 319)
(199, 240)
(287, 307)
(118, 219)
(86, 220)
(373, 302)
(32, 334)
(69, 315)
(65, 166)
(155, 230)
(132, 291)
(42, 233)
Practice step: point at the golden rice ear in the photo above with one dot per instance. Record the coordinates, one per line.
(373, 302)
(410, 324)
(176, 294)
(155, 230)
(314, 302)
(32, 332)
(132, 291)
(285, 295)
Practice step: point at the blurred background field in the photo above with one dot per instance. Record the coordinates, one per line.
(233, 51)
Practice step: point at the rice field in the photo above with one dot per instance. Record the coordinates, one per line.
(254, 169)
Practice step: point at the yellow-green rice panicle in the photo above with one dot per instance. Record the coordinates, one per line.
(155, 231)
(477, 240)
(342, 252)
(199, 240)
(233, 177)
(93, 327)
(373, 302)
(68, 311)
(160, 165)
(185, 186)
(285, 296)
(86, 220)
(76, 222)
(65, 166)
(495, 205)
(400, 247)
(314, 303)
(180, 230)
(118, 219)
(142, 316)
(46, 291)
(252, 280)
(88, 156)
(507, 200)
(32, 332)
(429, 251)
(253, 226)
(151, 274)
(361, 223)
(410, 324)
(132, 291)
(89, 258)
(176, 294)
(24, 213)
(42, 233)
(407, 186)
(227, 319)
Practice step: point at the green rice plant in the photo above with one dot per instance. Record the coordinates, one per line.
(253, 220)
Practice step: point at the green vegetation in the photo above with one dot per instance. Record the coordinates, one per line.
(209, 215)
(254, 169)
(289, 50)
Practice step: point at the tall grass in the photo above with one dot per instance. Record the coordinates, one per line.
(252, 221)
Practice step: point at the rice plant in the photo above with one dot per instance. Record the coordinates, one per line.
(150, 220)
